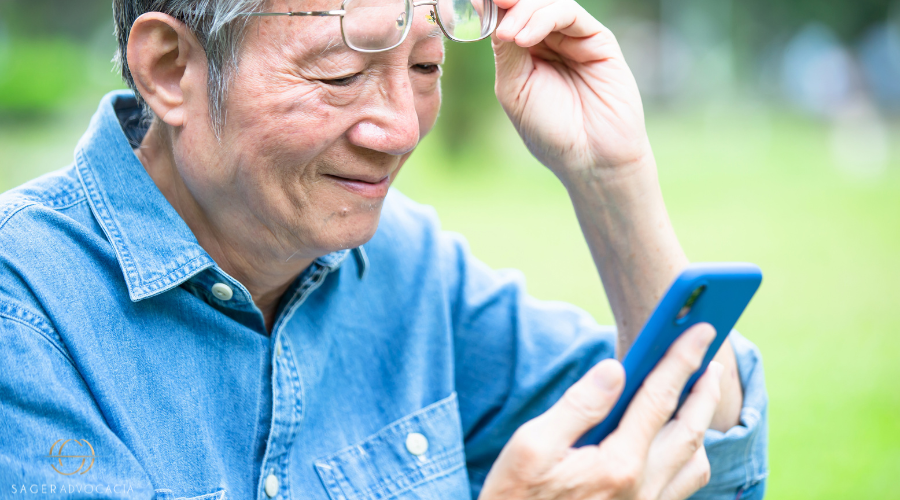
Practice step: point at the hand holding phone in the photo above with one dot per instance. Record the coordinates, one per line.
(642, 460)
(714, 293)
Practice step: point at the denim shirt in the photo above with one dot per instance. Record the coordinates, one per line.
(133, 366)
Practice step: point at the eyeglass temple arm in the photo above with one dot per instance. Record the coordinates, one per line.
(309, 13)
(323, 12)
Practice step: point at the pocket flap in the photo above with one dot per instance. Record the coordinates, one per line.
(418, 448)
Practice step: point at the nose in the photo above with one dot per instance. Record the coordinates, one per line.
(391, 124)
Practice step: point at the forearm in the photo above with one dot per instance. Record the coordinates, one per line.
(627, 228)
(634, 246)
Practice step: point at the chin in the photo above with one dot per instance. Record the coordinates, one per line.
(349, 231)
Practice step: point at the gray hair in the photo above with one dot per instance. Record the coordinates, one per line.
(219, 26)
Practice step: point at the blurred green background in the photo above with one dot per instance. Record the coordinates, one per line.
(775, 129)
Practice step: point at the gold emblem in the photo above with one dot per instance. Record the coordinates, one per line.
(72, 460)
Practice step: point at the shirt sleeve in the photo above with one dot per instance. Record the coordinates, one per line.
(516, 355)
(739, 457)
(54, 441)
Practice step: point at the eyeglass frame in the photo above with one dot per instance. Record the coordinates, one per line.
(436, 15)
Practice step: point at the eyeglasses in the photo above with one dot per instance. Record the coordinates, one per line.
(379, 25)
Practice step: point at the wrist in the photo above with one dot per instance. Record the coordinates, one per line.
(618, 184)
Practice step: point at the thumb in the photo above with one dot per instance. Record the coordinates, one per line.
(584, 405)
(514, 65)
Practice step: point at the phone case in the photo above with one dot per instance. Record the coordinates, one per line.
(714, 293)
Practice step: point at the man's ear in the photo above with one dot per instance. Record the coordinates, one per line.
(167, 64)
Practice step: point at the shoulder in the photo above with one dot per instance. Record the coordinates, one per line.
(47, 218)
(37, 220)
(51, 192)
(410, 251)
(31, 213)
(46, 225)
(400, 215)
(54, 190)
(412, 231)
(405, 228)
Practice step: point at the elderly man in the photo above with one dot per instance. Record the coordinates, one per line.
(223, 298)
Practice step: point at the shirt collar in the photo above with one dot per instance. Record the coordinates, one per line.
(155, 248)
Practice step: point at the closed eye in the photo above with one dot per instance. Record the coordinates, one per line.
(343, 81)
(427, 68)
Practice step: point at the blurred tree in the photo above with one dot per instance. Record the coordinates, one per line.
(750, 28)
(38, 76)
(467, 85)
(72, 19)
(849, 19)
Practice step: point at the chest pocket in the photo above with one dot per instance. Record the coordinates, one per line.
(417, 457)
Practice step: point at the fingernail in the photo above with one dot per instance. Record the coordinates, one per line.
(717, 369)
(606, 375)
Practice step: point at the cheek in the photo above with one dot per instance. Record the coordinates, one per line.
(428, 105)
(280, 136)
(279, 111)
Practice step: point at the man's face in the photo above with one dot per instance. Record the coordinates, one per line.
(315, 132)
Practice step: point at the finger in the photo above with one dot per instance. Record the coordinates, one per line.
(506, 4)
(657, 399)
(583, 406)
(694, 475)
(602, 46)
(565, 17)
(679, 440)
(517, 16)
(514, 66)
(698, 409)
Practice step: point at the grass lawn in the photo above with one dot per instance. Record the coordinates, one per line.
(746, 186)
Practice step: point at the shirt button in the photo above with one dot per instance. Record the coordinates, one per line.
(271, 485)
(416, 443)
(222, 291)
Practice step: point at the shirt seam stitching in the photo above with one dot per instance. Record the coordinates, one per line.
(53, 338)
(14, 210)
(181, 271)
(113, 232)
(263, 356)
(751, 467)
(107, 223)
(61, 200)
(433, 477)
(384, 487)
(437, 406)
(78, 201)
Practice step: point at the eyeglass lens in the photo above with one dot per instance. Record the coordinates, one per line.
(372, 25)
(375, 24)
(466, 20)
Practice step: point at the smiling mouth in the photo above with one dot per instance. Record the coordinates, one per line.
(361, 179)
(369, 187)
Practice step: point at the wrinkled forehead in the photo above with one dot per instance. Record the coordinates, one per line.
(309, 37)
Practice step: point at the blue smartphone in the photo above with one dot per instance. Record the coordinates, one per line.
(714, 293)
